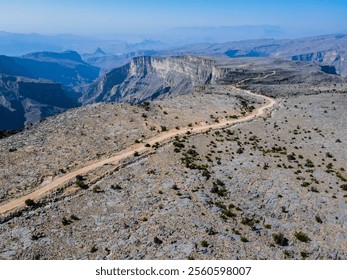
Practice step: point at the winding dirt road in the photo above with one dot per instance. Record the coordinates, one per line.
(140, 148)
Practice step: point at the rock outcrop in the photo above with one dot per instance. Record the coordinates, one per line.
(24, 101)
(67, 68)
(148, 78)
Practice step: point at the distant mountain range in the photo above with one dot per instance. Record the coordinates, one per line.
(328, 50)
(14, 44)
(40, 84)
(107, 62)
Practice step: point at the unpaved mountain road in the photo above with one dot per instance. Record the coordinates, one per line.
(140, 148)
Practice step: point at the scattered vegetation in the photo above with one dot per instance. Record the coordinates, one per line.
(280, 239)
(302, 236)
(93, 249)
(157, 241)
(30, 202)
(80, 182)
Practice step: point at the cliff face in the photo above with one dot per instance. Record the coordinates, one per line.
(66, 68)
(24, 101)
(148, 78)
(333, 58)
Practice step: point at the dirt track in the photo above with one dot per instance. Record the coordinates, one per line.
(162, 137)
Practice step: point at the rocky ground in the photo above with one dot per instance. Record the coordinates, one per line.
(63, 143)
(272, 188)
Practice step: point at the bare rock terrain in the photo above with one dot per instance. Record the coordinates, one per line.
(270, 188)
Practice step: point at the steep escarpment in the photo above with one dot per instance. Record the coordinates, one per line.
(330, 58)
(66, 68)
(24, 101)
(148, 78)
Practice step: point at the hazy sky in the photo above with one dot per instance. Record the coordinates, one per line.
(151, 16)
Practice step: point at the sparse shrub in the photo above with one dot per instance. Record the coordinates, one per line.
(211, 231)
(206, 174)
(304, 255)
(329, 165)
(65, 221)
(157, 241)
(204, 243)
(338, 175)
(247, 221)
(74, 217)
(228, 213)
(80, 182)
(93, 249)
(309, 163)
(222, 191)
(302, 236)
(318, 219)
(344, 187)
(79, 178)
(116, 187)
(280, 239)
(291, 157)
(329, 155)
(29, 202)
(147, 145)
(96, 189)
(235, 231)
(244, 239)
(136, 154)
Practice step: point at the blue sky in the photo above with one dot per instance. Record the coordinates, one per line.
(141, 16)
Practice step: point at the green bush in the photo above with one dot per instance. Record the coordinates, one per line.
(244, 239)
(93, 249)
(228, 213)
(29, 202)
(97, 189)
(80, 182)
(65, 221)
(157, 241)
(280, 239)
(318, 219)
(302, 236)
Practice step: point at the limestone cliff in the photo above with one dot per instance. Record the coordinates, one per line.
(148, 78)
